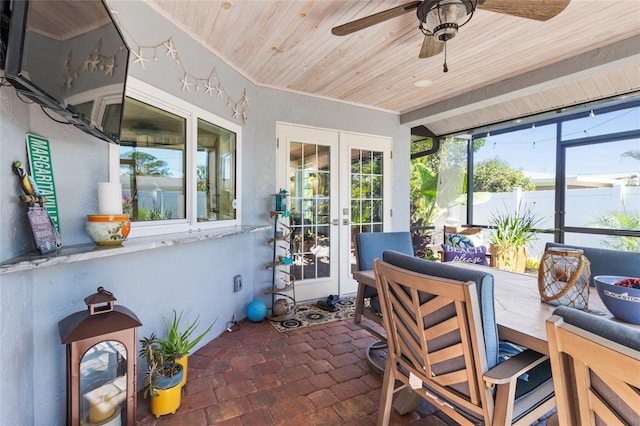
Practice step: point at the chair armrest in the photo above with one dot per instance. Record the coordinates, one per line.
(504, 377)
(511, 369)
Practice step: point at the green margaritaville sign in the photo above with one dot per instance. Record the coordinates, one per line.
(42, 173)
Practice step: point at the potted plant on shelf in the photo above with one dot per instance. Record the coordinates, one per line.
(162, 378)
(180, 343)
(512, 231)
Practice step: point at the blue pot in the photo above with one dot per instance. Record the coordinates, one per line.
(166, 382)
(622, 302)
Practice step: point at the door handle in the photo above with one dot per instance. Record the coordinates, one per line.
(335, 222)
(345, 221)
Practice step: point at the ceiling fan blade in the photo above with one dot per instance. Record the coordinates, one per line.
(376, 18)
(540, 10)
(430, 47)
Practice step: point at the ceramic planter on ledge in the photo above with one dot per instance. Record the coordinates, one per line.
(108, 229)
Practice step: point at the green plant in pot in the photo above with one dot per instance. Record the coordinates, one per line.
(163, 377)
(180, 342)
(512, 231)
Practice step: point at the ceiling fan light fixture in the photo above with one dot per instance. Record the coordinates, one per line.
(442, 18)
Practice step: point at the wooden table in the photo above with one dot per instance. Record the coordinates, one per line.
(520, 313)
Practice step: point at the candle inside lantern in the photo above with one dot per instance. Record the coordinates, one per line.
(104, 400)
(109, 198)
(101, 411)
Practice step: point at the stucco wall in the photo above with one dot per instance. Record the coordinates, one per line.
(195, 277)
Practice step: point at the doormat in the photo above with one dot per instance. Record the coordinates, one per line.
(309, 314)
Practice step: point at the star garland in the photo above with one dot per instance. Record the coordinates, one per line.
(95, 61)
(209, 85)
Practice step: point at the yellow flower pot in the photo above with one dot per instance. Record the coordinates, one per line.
(168, 394)
(167, 401)
(184, 361)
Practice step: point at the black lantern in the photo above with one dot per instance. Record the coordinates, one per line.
(101, 363)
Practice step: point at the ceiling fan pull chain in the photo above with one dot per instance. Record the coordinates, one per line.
(445, 67)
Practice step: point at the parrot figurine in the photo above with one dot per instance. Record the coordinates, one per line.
(29, 186)
(44, 229)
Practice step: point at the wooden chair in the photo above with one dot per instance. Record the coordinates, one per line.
(443, 343)
(466, 231)
(596, 369)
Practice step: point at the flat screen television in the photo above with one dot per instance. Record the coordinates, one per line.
(70, 57)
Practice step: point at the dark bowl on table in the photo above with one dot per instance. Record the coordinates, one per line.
(622, 302)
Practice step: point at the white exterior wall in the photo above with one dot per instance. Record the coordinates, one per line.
(583, 206)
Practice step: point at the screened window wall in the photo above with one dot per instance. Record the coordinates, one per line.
(579, 174)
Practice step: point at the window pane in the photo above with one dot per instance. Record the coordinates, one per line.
(152, 163)
(603, 185)
(616, 242)
(111, 118)
(601, 124)
(216, 172)
(85, 109)
(513, 171)
(450, 203)
(323, 158)
(323, 184)
(377, 163)
(423, 184)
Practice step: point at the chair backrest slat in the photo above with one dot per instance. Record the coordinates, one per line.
(447, 353)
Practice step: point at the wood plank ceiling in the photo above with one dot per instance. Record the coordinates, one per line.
(500, 67)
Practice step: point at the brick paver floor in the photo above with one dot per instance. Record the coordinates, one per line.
(257, 376)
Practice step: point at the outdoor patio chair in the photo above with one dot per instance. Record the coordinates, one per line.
(369, 246)
(596, 368)
(443, 343)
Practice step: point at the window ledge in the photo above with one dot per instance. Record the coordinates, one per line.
(82, 252)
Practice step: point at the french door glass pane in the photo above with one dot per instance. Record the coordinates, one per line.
(366, 194)
(309, 175)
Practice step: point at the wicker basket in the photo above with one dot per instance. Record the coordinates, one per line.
(563, 277)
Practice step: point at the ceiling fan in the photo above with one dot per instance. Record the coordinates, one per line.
(440, 19)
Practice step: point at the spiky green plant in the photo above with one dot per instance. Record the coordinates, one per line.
(159, 364)
(620, 220)
(178, 342)
(514, 229)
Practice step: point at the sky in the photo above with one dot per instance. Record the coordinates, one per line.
(533, 150)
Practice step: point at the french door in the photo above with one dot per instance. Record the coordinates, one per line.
(339, 186)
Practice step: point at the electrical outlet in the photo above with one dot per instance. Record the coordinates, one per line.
(237, 283)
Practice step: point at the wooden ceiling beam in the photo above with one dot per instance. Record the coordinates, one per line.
(593, 62)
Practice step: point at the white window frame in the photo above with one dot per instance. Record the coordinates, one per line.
(151, 95)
